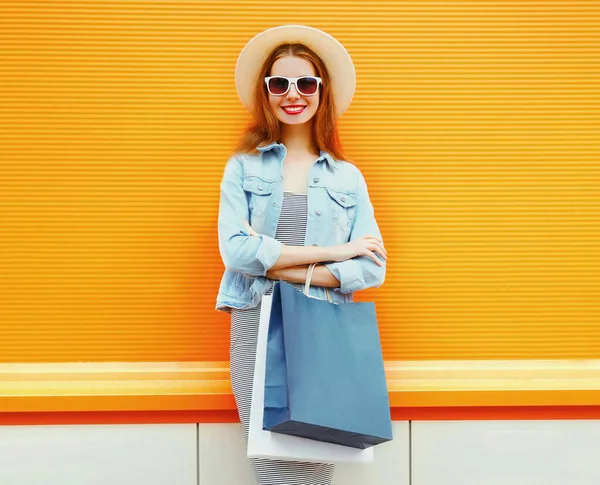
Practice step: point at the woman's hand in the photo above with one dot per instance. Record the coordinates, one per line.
(251, 231)
(363, 246)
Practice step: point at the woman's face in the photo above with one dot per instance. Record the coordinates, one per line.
(292, 66)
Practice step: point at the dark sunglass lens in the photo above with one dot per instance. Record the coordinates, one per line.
(278, 85)
(307, 85)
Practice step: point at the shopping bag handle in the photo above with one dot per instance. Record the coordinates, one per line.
(311, 268)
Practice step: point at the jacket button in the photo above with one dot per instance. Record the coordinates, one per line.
(316, 180)
(261, 187)
(318, 212)
(343, 199)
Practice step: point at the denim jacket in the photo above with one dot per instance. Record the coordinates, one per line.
(339, 210)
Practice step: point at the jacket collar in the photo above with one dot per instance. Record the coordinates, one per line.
(280, 146)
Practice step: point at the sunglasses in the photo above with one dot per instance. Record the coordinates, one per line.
(305, 85)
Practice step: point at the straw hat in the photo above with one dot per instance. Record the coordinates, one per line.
(332, 53)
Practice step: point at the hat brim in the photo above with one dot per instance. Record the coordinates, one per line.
(332, 53)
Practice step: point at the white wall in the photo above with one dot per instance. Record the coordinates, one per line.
(506, 452)
(98, 455)
(443, 453)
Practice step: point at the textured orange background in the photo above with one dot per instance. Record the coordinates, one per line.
(476, 125)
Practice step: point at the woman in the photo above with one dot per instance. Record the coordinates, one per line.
(289, 199)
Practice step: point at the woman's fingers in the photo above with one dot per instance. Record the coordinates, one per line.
(381, 250)
(375, 245)
(378, 242)
(378, 250)
(251, 231)
(369, 236)
(371, 255)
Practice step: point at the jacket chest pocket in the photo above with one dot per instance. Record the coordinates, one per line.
(259, 191)
(342, 207)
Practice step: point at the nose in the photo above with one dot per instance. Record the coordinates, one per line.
(293, 92)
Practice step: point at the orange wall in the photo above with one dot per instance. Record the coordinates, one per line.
(475, 124)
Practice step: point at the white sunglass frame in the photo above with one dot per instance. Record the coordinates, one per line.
(292, 80)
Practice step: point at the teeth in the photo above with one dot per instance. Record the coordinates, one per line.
(294, 110)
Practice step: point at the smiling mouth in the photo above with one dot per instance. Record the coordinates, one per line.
(293, 110)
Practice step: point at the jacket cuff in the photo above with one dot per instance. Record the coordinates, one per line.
(268, 252)
(349, 274)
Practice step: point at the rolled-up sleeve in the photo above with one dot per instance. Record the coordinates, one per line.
(360, 272)
(251, 255)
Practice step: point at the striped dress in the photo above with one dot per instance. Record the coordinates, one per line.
(291, 229)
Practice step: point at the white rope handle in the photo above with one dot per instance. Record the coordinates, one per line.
(309, 273)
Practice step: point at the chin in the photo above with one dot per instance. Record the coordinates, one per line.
(298, 120)
(295, 122)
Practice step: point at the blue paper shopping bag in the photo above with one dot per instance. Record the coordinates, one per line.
(325, 377)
